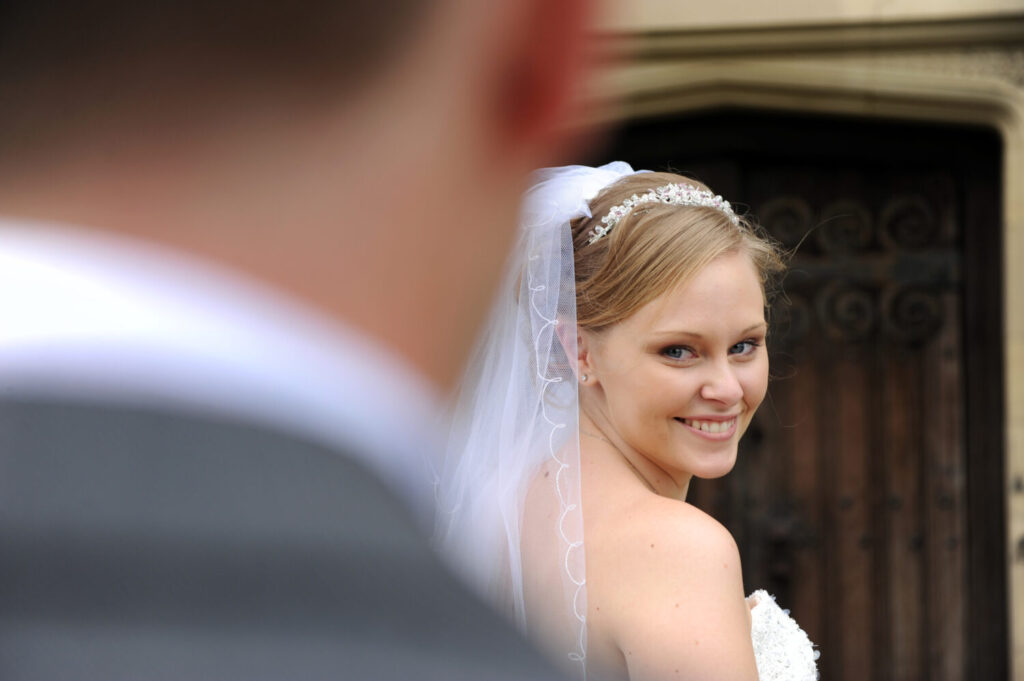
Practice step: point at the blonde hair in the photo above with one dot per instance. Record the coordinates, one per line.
(654, 248)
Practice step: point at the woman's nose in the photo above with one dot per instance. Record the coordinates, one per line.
(722, 384)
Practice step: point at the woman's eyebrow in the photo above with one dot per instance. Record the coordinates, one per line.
(693, 334)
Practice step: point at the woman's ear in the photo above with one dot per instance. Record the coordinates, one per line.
(568, 338)
(584, 362)
(576, 344)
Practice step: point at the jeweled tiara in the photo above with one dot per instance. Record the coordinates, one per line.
(680, 194)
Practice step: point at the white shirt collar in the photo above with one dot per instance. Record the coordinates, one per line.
(90, 316)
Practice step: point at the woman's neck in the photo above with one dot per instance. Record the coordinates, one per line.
(599, 431)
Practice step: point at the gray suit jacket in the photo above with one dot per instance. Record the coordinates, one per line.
(143, 544)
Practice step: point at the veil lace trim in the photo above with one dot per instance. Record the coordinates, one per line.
(517, 411)
(561, 481)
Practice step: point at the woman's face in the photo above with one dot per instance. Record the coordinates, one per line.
(679, 380)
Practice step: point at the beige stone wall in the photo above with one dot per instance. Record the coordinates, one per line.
(635, 15)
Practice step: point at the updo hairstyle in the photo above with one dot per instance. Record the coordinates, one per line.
(655, 247)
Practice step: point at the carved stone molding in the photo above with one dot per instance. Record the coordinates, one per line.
(987, 49)
(840, 35)
(1001, 63)
(1004, 63)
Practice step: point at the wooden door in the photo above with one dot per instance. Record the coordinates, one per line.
(869, 491)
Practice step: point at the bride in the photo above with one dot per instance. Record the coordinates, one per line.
(625, 355)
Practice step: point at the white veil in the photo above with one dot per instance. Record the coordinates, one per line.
(517, 412)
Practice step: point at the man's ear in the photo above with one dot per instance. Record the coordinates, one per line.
(541, 75)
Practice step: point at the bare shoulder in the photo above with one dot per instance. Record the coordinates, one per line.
(666, 585)
(655, 533)
(683, 526)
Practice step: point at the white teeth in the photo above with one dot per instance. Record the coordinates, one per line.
(711, 426)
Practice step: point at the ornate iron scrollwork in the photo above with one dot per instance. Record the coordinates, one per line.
(866, 279)
(908, 222)
(845, 227)
(912, 313)
(848, 312)
(787, 218)
(791, 318)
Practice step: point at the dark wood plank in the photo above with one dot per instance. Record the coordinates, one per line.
(853, 496)
(901, 451)
(945, 501)
(809, 496)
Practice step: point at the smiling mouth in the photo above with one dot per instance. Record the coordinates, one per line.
(710, 427)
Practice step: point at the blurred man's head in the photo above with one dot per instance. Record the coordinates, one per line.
(365, 156)
(66, 65)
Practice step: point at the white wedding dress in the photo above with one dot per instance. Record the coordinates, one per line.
(781, 648)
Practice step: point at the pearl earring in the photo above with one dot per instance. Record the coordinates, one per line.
(584, 378)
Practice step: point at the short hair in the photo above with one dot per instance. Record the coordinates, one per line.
(60, 59)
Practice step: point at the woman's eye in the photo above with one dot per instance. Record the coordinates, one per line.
(744, 347)
(677, 352)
